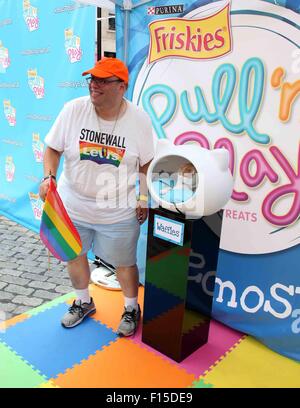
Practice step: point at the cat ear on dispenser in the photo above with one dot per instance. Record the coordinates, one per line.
(221, 157)
(162, 146)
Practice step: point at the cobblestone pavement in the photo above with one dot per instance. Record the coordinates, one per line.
(25, 279)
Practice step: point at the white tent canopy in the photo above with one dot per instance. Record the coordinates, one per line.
(110, 4)
(99, 3)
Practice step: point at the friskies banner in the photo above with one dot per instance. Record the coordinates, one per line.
(226, 74)
(44, 48)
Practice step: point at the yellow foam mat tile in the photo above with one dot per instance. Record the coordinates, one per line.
(192, 319)
(48, 384)
(252, 365)
(124, 364)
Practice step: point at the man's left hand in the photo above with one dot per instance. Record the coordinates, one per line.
(142, 211)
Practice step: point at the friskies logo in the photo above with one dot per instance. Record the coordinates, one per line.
(205, 38)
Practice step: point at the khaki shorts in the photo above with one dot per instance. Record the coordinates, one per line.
(116, 243)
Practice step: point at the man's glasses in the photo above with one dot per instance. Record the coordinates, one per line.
(101, 81)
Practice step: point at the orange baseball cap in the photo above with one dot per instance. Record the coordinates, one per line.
(107, 67)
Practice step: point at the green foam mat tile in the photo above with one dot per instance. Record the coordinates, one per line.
(50, 304)
(171, 260)
(15, 373)
(201, 384)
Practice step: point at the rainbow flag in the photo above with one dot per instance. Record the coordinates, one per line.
(57, 231)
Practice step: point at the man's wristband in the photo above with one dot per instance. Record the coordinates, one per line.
(143, 198)
(46, 178)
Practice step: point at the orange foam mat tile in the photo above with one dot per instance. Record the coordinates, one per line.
(11, 322)
(110, 305)
(252, 365)
(124, 364)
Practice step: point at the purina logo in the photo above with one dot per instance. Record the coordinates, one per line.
(162, 10)
(168, 230)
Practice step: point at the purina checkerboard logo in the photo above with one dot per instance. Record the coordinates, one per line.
(162, 10)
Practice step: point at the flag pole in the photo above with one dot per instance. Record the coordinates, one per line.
(49, 260)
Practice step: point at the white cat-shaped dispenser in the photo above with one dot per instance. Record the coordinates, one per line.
(190, 179)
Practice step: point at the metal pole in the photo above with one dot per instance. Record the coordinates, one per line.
(99, 34)
(126, 34)
(127, 6)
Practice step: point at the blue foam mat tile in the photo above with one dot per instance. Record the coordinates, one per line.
(164, 301)
(48, 347)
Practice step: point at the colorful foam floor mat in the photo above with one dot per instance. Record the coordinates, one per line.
(37, 352)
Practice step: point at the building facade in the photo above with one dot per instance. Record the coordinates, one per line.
(106, 33)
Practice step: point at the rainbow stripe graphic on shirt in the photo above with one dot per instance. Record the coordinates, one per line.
(101, 154)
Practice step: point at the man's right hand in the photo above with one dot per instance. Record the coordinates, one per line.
(44, 187)
(51, 163)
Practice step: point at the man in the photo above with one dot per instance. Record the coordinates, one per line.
(106, 141)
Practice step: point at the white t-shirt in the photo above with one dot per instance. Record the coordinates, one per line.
(101, 160)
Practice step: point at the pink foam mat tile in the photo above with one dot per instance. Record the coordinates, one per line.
(221, 340)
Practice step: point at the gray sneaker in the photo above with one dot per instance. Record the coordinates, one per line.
(77, 312)
(129, 322)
